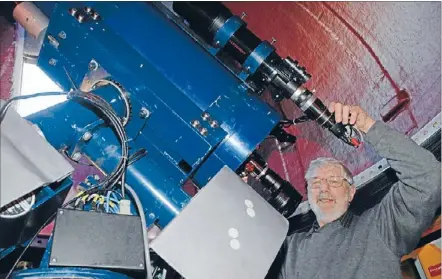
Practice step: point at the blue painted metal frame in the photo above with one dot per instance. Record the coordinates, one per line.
(164, 70)
(226, 31)
(67, 272)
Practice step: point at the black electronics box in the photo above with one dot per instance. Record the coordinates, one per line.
(97, 240)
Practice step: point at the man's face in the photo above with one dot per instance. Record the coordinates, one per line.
(329, 194)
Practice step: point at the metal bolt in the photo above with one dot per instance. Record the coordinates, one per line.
(80, 18)
(73, 11)
(96, 16)
(144, 112)
(53, 41)
(141, 265)
(61, 212)
(205, 116)
(273, 41)
(195, 123)
(62, 35)
(52, 62)
(217, 44)
(247, 69)
(54, 260)
(141, 65)
(243, 15)
(151, 215)
(87, 136)
(214, 124)
(93, 65)
(88, 10)
(204, 132)
(76, 156)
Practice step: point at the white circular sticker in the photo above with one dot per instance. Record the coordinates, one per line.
(249, 203)
(234, 243)
(233, 233)
(251, 212)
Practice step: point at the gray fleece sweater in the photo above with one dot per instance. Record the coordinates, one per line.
(371, 245)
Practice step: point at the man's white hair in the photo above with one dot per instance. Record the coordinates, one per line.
(321, 162)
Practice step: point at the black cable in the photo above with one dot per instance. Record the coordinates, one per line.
(110, 114)
(136, 156)
(9, 102)
(117, 175)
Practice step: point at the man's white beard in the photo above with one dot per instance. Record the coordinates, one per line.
(325, 217)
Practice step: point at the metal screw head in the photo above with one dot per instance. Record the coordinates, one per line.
(243, 15)
(97, 177)
(73, 11)
(88, 10)
(61, 212)
(96, 16)
(205, 116)
(76, 156)
(217, 44)
(53, 41)
(195, 123)
(214, 124)
(52, 62)
(144, 112)
(273, 41)
(54, 260)
(87, 136)
(204, 132)
(80, 18)
(93, 65)
(247, 69)
(141, 265)
(62, 35)
(151, 215)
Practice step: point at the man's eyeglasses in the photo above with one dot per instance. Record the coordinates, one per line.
(332, 181)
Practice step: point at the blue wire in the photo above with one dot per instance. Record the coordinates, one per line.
(107, 201)
(115, 196)
(114, 199)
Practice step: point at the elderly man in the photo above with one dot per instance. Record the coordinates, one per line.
(343, 245)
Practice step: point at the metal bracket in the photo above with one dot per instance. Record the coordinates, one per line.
(255, 59)
(92, 76)
(224, 34)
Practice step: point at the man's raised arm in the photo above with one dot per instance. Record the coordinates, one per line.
(410, 206)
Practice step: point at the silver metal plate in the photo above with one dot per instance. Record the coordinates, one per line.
(28, 161)
(228, 229)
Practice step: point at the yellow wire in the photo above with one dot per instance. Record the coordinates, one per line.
(84, 198)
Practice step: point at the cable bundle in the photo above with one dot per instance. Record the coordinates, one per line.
(118, 175)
